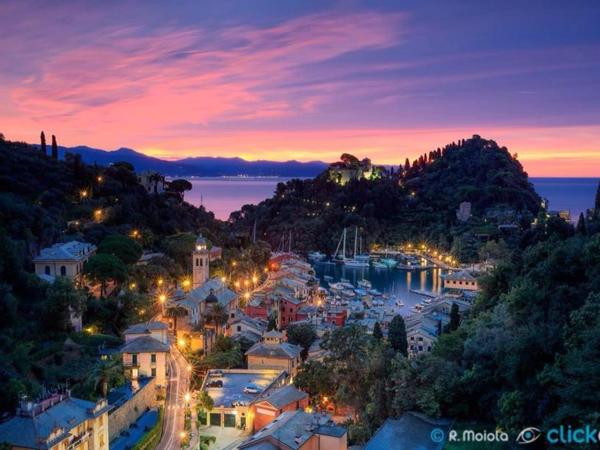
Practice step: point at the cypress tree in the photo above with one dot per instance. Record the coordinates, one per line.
(454, 318)
(43, 147)
(597, 203)
(407, 165)
(54, 148)
(581, 228)
(397, 335)
(377, 333)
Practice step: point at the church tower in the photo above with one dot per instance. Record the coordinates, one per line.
(200, 263)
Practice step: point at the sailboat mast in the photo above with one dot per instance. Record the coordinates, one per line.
(344, 248)
(355, 240)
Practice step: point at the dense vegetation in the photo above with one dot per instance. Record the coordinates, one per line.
(43, 201)
(526, 355)
(412, 201)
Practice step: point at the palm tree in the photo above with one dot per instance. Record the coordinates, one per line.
(103, 375)
(175, 312)
(205, 441)
(218, 315)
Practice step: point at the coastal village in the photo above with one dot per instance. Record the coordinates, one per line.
(257, 406)
(238, 350)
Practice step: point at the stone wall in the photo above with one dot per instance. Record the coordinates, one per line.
(120, 418)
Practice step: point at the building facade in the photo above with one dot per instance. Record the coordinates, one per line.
(63, 260)
(59, 422)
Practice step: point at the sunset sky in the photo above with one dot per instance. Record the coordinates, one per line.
(306, 79)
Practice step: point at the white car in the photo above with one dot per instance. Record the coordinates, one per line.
(251, 389)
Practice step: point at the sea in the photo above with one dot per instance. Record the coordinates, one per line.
(225, 195)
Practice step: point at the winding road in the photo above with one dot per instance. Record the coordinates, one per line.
(179, 382)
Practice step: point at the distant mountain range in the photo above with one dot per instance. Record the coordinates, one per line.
(203, 166)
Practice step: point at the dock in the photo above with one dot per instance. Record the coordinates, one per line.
(424, 293)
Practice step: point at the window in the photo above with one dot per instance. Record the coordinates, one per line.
(197, 262)
(239, 328)
(47, 270)
(153, 358)
(201, 262)
(153, 371)
(63, 271)
(420, 348)
(134, 359)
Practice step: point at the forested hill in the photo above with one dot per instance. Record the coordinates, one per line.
(415, 200)
(39, 196)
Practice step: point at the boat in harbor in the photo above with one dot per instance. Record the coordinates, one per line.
(399, 303)
(379, 265)
(358, 260)
(366, 284)
(390, 263)
(316, 256)
(375, 292)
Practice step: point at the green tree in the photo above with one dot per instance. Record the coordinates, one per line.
(63, 301)
(597, 202)
(454, 318)
(103, 268)
(397, 335)
(314, 377)
(105, 375)
(205, 401)
(303, 335)
(54, 148)
(43, 147)
(217, 314)
(581, 229)
(377, 333)
(175, 312)
(123, 247)
(205, 441)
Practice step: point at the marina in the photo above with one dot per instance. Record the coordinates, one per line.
(393, 290)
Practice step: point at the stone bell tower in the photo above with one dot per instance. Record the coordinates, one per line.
(200, 262)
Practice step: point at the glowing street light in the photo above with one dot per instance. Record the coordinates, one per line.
(83, 193)
(98, 214)
(132, 286)
(160, 281)
(223, 279)
(99, 178)
(186, 283)
(186, 397)
(181, 342)
(135, 234)
(189, 368)
(254, 279)
(247, 295)
(162, 298)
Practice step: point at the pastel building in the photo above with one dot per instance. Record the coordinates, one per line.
(59, 422)
(274, 353)
(63, 260)
(145, 352)
(460, 280)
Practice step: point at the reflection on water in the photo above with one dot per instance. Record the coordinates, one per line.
(222, 196)
(393, 282)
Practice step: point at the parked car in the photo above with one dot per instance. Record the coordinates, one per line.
(252, 389)
(215, 384)
(216, 373)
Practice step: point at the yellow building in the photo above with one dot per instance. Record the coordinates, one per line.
(461, 280)
(273, 353)
(63, 260)
(145, 354)
(59, 422)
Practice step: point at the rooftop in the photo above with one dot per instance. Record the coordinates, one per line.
(292, 429)
(280, 350)
(146, 327)
(223, 294)
(234, 381)
(284, 396)
(33, 430)
(65, 251)
(145, 344)
(411, 430)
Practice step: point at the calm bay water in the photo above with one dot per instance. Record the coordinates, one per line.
(225, 195)
(393, 282)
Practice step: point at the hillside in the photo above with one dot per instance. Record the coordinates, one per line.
(43, 201)
(414, 201)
